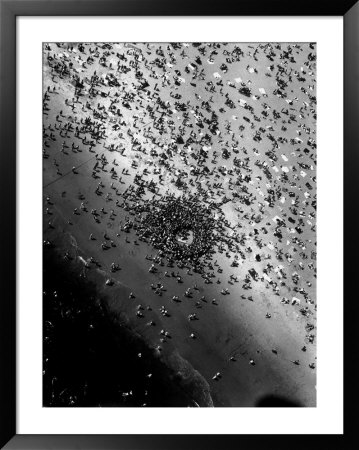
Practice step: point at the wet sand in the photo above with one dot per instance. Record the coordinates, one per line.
(93, 358)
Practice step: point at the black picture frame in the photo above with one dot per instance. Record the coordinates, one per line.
(9, 10)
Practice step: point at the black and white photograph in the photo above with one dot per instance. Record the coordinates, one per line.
(179, 224)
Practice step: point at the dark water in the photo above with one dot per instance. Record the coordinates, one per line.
(90, 358)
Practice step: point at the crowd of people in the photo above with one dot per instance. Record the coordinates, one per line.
(206, 152)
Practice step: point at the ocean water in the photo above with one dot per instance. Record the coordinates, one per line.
(90, 356)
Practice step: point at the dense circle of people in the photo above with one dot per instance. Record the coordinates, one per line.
(170, 217)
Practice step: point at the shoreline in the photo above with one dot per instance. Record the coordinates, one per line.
(183, 382)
